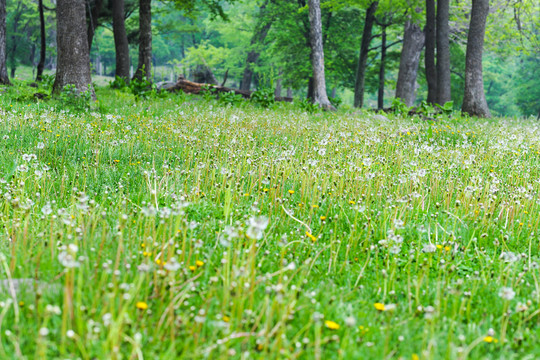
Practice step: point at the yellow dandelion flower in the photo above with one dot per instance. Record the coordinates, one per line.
(313, 238)
(291, 192)
(199, 263)
(192, 267)
(489, 339)
(226, 318)
(323, 218)
(332, 325)
(379, 306)
(141, 305)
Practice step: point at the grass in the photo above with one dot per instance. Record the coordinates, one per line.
(179, 228)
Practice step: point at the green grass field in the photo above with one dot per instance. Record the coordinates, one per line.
(178, 228)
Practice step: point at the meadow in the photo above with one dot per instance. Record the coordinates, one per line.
(179, 228)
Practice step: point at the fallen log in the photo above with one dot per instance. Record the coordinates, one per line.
(190, 87)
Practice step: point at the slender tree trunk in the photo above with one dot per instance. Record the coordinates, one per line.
(253, 55)
(277, 91)
(144, 68)
(43, 48)
(317, 56)
(93, 13)
(3, 58)
(14, 42)
(121, 44)
(474, 99)
(364, 50)
(310, 88)
(289, 92)
(429, 56)
(443, 52)
(380, 97)
(73, 64)
(413, 42)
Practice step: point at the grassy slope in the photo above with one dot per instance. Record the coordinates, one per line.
(354, 202)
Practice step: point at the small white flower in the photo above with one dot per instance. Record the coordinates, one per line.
(40, 146)
(507, 293)
(172, 265)
(43, 331)
(429, 248)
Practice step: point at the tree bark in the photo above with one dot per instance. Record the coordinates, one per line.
(413, 42)
(380, 97)
(73, 64)
(253, 55)
(317, 56)
(3, 58)
(429, 56)
(43, 49)
(474, 99)
(277, 91)
(144, 67)
(121, 44)
(364, 50)
(93, 12)
(443, 52)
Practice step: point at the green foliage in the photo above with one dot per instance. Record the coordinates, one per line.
(230, 98)
(307, 105)
(77, 101)
(142, 88)
(118, 83)
(335, 101)
(447, 108)
(263, 97)
(399, 107)
(208, 93)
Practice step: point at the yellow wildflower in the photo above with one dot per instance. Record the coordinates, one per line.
(141, 305)
(379, 306)
(313, 238)
(332, 325)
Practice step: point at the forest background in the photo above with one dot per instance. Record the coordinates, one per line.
(222, 35)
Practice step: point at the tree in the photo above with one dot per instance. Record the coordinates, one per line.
(121, 44)
(73, 64)
(3, 63)
(359, 85)
(144, 67)
(413, 42)
(259, 35)
(317, 56)
(474, 99)
(429, 55)
(93, 21)
(444, 93)
(43, 44)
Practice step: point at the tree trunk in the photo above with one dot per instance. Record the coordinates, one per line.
(277, 91)
(73, 64)
(429, 56)
(413, 42)
(144, 67)
(317, 56)
(121, 44)
(443, 52)
(474, 99)
(43, 49)
(253, 55)
(380, 97)
(93, 13)
(364, 50)
(3, 59)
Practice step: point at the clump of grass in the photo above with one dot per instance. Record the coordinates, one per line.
(183, 230)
